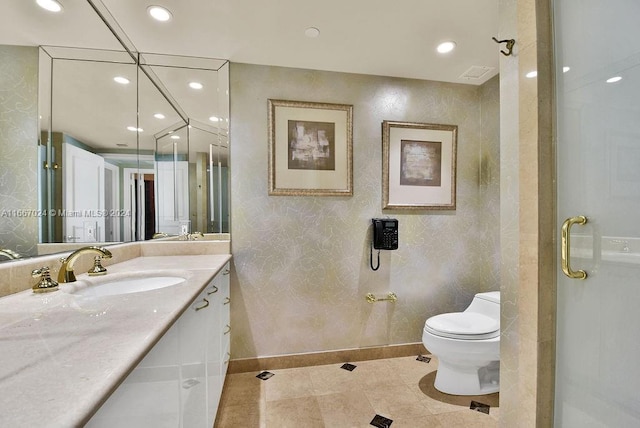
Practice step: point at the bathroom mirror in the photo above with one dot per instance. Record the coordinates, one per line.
(131, 155)
(122, 132)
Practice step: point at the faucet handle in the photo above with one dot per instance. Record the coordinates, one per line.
(45, 284)
(97, 268)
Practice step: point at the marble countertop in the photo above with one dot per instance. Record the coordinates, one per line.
(62, 355)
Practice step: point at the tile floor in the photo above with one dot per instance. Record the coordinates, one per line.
(399, 390)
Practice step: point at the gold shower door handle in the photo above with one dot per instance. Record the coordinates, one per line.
(566, 244)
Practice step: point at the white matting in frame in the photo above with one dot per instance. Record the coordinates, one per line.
(418, 166)
(310, 148)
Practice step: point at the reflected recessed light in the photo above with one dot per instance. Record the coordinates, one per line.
(446, 47)
(134, 129)
(121, 80)
(175, 137)
(214, 119)
(159, 13)
(614, 79)
(531, 74)
(565, 69)
(312, 32)
(195, 85)
(159, 116)
(50, 5)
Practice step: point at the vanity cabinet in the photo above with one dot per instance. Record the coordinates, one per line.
(179, 382)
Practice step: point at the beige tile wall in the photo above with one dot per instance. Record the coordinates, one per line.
(528, 221)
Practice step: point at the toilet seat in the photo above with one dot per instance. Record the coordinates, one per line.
(463, 325)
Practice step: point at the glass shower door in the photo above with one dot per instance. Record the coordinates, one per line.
(597, 48)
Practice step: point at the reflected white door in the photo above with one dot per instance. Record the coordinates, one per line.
(172, 197)
(598, 93)
(83, 195)
(112, 203)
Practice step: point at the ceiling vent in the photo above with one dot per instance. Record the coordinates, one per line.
(476, 72)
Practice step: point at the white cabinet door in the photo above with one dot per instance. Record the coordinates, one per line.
(225, 321)
(217, 340)
(193, 343)
(179, 382)
(150, 396)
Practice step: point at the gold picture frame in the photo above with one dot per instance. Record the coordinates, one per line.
(310, 148)
(418, 166)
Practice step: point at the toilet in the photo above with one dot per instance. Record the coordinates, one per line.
(467, 345)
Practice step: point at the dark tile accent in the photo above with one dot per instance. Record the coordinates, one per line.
(381, 422)
(348, 366)
(479, 407)
(264, 375)
(423, 358)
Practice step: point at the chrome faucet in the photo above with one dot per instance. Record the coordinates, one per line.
(66, 273)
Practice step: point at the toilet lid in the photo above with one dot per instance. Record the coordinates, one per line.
(463, 325)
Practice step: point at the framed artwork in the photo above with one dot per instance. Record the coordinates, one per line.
(418, 166)
(310, 149)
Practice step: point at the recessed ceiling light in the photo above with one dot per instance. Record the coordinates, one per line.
(195, 85)
(175, 137)
(565, 69)
(50, 5)
(446, 47)
(214, 119)
(159, 13)
(121, 80)
(312, 32)
(159, 116)
(134, 129)
(531, 74)
(614, 79)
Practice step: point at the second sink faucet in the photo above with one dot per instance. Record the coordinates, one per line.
(66, 273)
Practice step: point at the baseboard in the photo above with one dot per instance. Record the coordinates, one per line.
(321, 358)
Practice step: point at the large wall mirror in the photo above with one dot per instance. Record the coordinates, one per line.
(127, 145)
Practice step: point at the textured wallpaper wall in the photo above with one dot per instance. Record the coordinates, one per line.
(302, 263)
(18, 147)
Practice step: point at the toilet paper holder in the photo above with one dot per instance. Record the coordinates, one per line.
(391, 297)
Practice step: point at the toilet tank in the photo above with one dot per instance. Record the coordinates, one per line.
(487, 304)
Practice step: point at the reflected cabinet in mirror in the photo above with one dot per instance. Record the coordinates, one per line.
(105, 146)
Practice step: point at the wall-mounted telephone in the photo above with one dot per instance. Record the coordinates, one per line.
(385, 237)
(385, 233)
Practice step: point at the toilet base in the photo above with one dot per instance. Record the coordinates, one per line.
(458, 380)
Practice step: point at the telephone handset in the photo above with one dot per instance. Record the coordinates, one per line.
(385, 237)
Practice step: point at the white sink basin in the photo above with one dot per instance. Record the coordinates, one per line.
(127, 285)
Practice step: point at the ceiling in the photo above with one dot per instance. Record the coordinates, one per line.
(356, 36)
